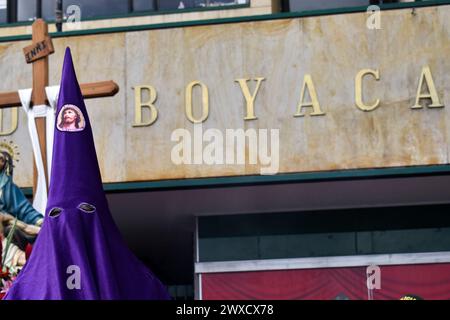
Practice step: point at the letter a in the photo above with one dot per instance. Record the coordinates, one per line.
(74, 280)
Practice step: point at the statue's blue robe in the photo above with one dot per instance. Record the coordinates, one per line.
(14, 202)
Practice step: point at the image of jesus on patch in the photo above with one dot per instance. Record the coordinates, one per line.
(70, 118)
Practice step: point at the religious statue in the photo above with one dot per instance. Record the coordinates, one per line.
(15, 210)
(13, 257)
(12, 199)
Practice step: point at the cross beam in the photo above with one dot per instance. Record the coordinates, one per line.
(37, 53)
(89, 91)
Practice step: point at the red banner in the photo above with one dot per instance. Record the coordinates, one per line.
(427, 281)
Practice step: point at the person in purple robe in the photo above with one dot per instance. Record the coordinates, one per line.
(79, 252)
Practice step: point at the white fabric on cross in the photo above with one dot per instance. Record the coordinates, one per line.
(52, 97)
(48, 112)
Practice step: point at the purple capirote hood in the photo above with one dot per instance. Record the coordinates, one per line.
(79, 253)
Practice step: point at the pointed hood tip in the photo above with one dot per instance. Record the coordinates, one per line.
(68, 62)
(70, 91)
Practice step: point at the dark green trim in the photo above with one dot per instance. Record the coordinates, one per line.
(16, 24)
(271, 179)
(284, 15)
(279, 178)
(274, 179)
(16, 38)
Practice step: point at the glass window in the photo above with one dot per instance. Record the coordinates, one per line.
(216, 3)
(48, 9)
(26, 10)
(144, 5)
(175, 4)
(98, 8)
(3, 12)
(303, 234)
(184, 4)
(305, 5)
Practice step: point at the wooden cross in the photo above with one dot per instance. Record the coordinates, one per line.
(37, 54)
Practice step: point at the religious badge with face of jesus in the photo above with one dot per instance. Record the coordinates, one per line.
(70, 118)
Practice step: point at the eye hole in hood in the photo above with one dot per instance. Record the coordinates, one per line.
(86, 207)
(55, 212)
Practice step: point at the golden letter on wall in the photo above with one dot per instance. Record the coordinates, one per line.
(139, 105)
(14, 121)
(205, 102)
(435, 103)
(314, 103)
(358, 89)
(250, 98)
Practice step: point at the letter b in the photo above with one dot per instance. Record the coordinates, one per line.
(139, 105)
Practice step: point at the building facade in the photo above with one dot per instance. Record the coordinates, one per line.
(263, 149)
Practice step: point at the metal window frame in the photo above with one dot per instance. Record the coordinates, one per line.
(322, 262)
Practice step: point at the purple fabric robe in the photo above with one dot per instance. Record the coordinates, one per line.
(80, 241)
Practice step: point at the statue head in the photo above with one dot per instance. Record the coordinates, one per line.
(9, 155)
(6, 163)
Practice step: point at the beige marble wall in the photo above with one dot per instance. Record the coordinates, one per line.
(16, 74)
(330, 48)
